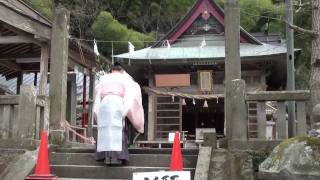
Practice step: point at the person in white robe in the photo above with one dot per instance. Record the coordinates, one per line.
(117, 96)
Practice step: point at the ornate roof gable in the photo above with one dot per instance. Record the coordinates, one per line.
(205, 17)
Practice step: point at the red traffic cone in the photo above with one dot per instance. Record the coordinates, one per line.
(42, 171)
(176, 163)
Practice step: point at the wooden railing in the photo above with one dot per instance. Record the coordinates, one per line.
(42, 115)
(24, 115)
(8, 115)
(258, 123)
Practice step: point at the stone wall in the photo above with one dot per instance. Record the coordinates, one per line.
(230, 165)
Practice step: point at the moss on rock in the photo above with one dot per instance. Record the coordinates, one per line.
(299, 155)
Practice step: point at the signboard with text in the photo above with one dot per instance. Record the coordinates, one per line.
(162, 175)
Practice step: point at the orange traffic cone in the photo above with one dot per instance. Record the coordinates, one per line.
(176, 163)
(42, 171)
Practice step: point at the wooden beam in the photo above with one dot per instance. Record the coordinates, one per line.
(34, 38)
(77, 58)
(73, 64)
(19, 81)
(10, 65)
(16, 40)
(9, 99)
(1, 28)
(298, 95)
(15, 56)
(23, 22)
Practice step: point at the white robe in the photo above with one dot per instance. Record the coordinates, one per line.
(110, 124)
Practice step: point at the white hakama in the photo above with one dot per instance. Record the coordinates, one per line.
(110, 124)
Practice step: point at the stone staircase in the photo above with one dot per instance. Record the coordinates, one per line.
(79, 163)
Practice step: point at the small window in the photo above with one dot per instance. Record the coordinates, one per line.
(205, 80)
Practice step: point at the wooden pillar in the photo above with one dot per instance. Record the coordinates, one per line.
(27, 112)
(281, 123)
(232, 57)
(35, 79)
(262, 120)
(90, 100)
(301, 117)
(58, 76)
(84, 101)
(19, 81)
(44, 69)
(315, 66)
(290, 68)
(151, 112)
(239, 121)
(72, 99)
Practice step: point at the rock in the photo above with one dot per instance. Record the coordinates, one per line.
(20, 167)
(314, 133)
(297, 158)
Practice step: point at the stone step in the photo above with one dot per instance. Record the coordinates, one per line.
(149, 160)
(62, 178)
(104, 172)
(132, 150)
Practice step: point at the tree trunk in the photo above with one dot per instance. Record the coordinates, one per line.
(315, 61)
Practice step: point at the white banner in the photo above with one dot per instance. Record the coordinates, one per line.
(162, 175)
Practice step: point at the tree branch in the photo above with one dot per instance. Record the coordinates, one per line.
(306, 31)
(302, 4)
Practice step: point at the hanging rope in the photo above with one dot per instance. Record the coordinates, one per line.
(183, 95)
(81, 52)
(67, 126)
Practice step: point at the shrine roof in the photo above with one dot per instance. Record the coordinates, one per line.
(214, 51)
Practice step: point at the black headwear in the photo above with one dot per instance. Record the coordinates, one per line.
(116, 63)
(117, 66)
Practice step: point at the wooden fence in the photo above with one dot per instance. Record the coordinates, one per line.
(257, 124)
(24, 115)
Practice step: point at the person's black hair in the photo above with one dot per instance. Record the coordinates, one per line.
(117, 66)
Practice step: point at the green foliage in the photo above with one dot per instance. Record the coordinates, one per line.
(171, 12)
(45, 7)
(302, 19)
(109, 29)
(254, 15)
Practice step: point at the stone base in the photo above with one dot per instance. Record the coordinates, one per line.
(240, 165)
(257, 145)
(11, 143)
(285, 175)
(57, 137)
